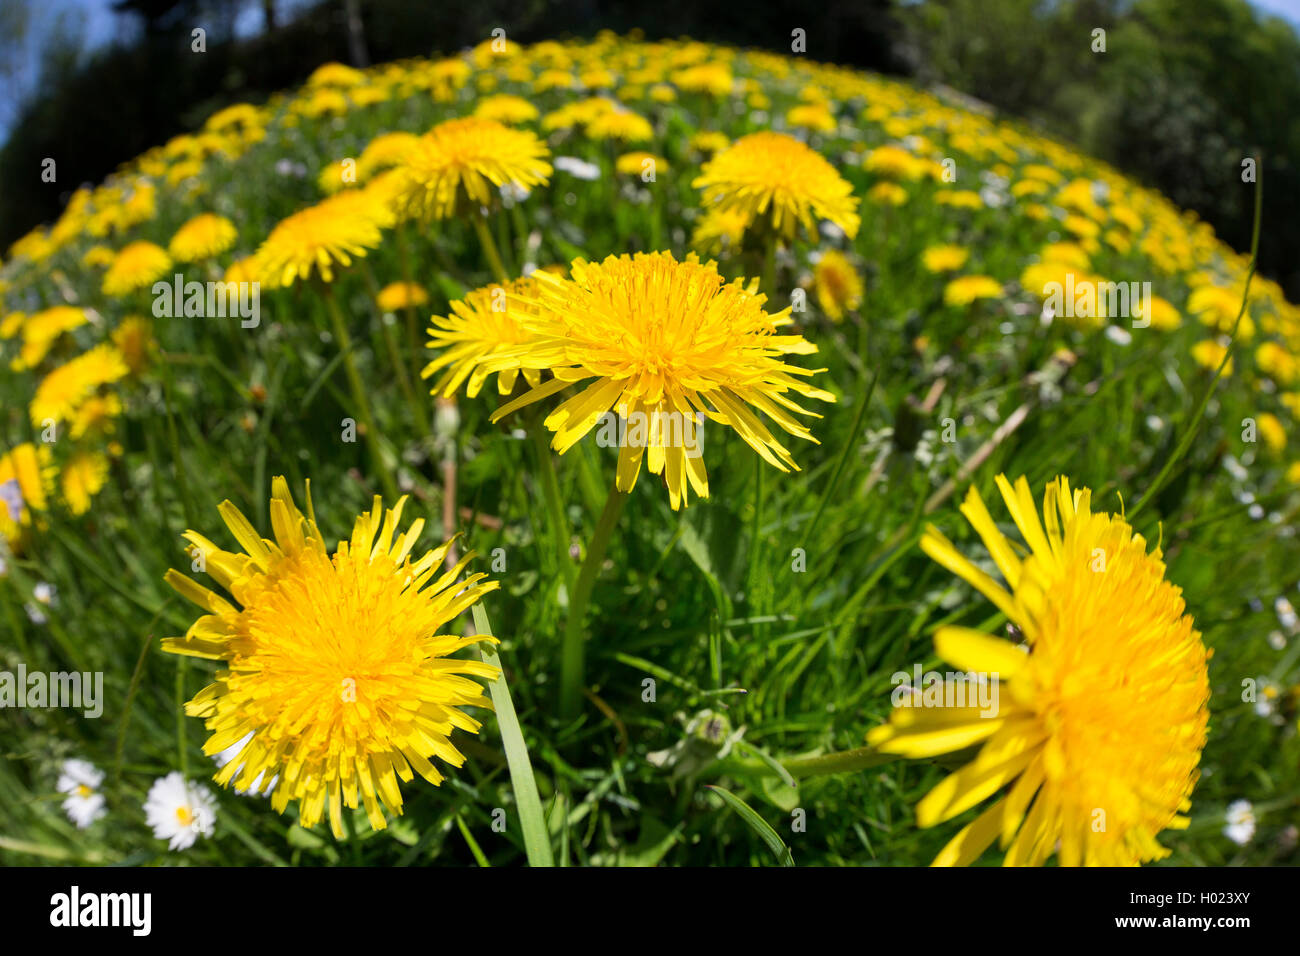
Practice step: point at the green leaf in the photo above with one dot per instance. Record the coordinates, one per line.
(757, 824)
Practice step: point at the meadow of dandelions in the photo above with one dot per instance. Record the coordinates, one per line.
(594, 439)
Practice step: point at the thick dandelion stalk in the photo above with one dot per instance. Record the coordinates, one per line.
(358, 392)
(554, 504)
(489, 247)
(573, 652)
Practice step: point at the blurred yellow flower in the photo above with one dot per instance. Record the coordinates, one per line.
(400, 295)
(838, 285)
(944, 258)
(203, 237)
(137, 265)
(81, 478)
(966, 289)
(773, 175)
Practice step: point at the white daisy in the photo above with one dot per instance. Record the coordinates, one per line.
(80, 780)
(1240, 828)
(578, 168)
(180, 812)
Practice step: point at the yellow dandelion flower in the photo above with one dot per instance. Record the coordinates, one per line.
(708, 142)
(242, 270)
(400, 295)
(894, 162)
(773, 174)
(335, 74)
(205, 236)
(669, 344)
(95, 416)
(813, 116)
(140, 205)
(81, 478)
(334, 663)
(838, 285)
(1277, 362)
(486, 324)
(959, 199)
(1066, 253)
(1209, 353)
(318, 238)
(134, 339)
(1272, 431)
(1104, 711)
(720, 229)
(1046, 173)
(34, 247)
(460, 161)
(30, 468)
(506, 108)
(639, 163)
(1030, 187)
(12, 324)
(61, 392)
(887, 194)
(966, 289)
(1163, 315)
(42, 329)
(98, 257)
(713, 79)
(944, 258)
(337, 175)
(553, 80)
(622, 125)
(1293, 473)
(1081, 226)
(384, 152)
(136, 266)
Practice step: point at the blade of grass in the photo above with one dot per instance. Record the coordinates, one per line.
(757, 824)
(537, 843)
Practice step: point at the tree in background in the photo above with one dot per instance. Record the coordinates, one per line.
(1185, 90)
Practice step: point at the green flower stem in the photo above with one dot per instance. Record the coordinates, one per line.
(573, 650)
(554, 503)
(489, 247)
(359, 393)
(755, 534)
(769, 270)
(840, 761)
